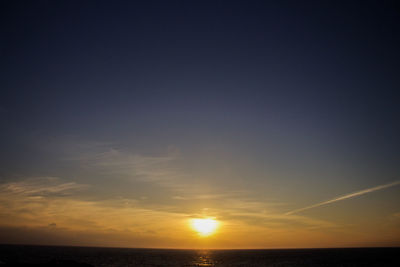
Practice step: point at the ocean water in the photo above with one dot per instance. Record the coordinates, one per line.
(18, 255)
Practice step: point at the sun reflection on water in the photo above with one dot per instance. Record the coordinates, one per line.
(204, 258)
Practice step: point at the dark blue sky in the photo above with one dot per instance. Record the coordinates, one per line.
(200, 70)
(238, 94)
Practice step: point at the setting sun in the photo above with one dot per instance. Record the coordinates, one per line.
(204, 227)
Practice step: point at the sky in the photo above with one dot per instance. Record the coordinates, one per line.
(121, 121)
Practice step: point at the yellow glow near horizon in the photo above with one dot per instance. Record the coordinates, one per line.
(204, 227)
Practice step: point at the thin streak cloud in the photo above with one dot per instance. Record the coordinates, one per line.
(351, 195)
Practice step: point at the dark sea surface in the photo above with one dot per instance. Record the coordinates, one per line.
(19, 255)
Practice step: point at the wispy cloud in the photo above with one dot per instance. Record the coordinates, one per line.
(351, 195)
(41, 186)
(41, 206)
(160, 170)
(108, 159)
(49, 203)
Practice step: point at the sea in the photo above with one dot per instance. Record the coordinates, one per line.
(28, 255)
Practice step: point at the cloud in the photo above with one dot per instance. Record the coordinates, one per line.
(215, 196)
(41, 186)
(39, 204)
(351, 195)
(107, 159)
(28, 211)
(160, 170)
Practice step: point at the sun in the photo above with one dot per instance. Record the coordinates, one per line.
(204, 227)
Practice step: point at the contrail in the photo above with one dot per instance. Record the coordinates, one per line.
(351, 195)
